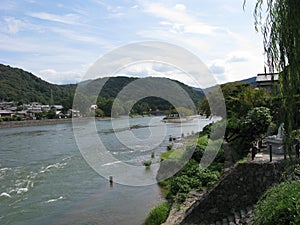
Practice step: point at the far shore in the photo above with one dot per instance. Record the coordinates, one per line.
(29, 123)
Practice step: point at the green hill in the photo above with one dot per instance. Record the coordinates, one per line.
(21, 86)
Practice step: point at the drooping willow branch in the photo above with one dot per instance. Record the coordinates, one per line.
(279, 22)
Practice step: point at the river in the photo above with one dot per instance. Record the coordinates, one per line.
(44, 179)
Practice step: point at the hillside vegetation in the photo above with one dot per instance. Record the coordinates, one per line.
(21, 86)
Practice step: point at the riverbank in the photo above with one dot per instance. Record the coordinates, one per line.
(29, 123)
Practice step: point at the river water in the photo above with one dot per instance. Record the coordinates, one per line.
(44, 179)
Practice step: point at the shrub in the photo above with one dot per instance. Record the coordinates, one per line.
(280, 203)
(147, 163)
(209, 177)
(174, 155)
(169, 147)
(172, 138)
(207, 129)
(158, 214)
(199, 148)
(180, 184)
(153, 155)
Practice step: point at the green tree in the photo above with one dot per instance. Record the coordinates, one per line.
(239, 99)
(279, 24)
(240, 132)
(67, 102)
(140, 108)
(51, 114)
(257, 122)
(99, 113)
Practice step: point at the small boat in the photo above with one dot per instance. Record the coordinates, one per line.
(175, 118)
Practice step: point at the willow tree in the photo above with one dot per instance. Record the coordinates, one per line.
(279, 22)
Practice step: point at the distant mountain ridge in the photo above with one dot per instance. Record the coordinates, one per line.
(22, 86)
(251, 81)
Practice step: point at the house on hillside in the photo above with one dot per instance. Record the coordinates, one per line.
(57, 107)
(60, 115)
(6, 105)
(73, 113)
(93, 107)
(6, 113)
(268, 81)
(45, 108)
(23, 113)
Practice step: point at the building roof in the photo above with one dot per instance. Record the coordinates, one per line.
(22, 112)
(58, 107)
(266, 77)
(5, 112)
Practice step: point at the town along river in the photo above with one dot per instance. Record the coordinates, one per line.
(44, 179)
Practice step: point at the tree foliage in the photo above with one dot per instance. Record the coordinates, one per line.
(239, 99)
(21, 86)
(279, 22)
(249, 114)
(257, 121)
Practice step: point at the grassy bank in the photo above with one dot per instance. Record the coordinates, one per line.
(189, 177)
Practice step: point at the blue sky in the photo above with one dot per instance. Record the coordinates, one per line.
(59, 40)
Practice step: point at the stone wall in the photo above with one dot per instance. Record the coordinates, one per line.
(239, 189)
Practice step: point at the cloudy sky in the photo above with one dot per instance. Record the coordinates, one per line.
(59, 40)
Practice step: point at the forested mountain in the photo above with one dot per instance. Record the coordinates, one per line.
(21, 86)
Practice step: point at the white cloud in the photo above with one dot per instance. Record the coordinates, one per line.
(229, 55)
(180, 7)
(236, 65)
(115, 15)
(178, 16)
(210, 32)
(62, 77)
(147, 69)
(217, 68)
(135, 7)
(13, 25)
(71, 19)
(238, 56)
(81, 36)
